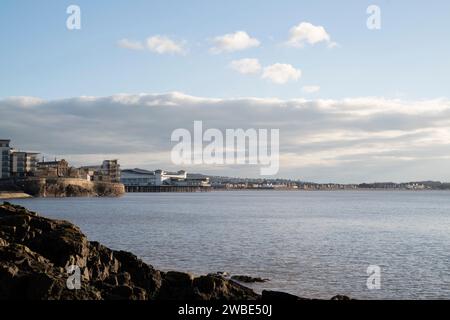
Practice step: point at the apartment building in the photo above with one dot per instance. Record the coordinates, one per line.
(5, 159)
(108, 171)
(23, 164)
(16, 163)
(111, 169)
(57, 168)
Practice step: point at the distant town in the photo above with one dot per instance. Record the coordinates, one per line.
(17, 165)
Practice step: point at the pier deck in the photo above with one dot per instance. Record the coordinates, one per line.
(134, 189)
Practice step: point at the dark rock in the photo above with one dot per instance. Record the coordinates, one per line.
(279, 296)
(216, 287)
(182, 286)
(222, 274)
(122, 292)
(341, 298)
(178, 279)
(35, 253)
(248, 279)
(177, 286)
(123, 278)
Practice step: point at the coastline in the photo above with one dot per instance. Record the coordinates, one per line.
(7, 195)
(11, 195)
(330, 190)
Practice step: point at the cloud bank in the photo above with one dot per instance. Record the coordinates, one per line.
(348, 140)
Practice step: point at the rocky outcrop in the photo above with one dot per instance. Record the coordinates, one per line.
(248, 279)
(64, 187)
(268, 295)
(35, 253)
(37, 256)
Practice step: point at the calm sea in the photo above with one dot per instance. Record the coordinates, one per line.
(313, 244)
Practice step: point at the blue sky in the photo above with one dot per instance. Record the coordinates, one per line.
(407, 58)
(351, 104)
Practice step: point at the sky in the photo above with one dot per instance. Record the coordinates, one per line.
(352, 104)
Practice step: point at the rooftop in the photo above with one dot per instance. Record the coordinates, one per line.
(139, 171)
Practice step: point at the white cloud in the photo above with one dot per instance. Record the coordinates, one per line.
(281, 73)
(246, 66)
(240, 40)
(311, 89)
(130, 44)
(354, 139)
(165, 45)
(307, 33)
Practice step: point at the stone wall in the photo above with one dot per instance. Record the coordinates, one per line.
(69, 187)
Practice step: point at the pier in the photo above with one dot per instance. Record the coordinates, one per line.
(148, 189)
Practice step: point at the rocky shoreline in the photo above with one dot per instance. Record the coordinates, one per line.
(36, 252)
(14, 195)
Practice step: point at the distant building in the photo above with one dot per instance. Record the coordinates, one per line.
(145, 178)
(108, 171)
(20, 164)
(164, 177)
(16, 163)
(138, 177)
(58, 168)
(195, 180)
(5, 163)
(23, 164)
(89, 172)
(76, 173)
(111, 170)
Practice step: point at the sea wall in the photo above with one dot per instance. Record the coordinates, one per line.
(66, 187)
